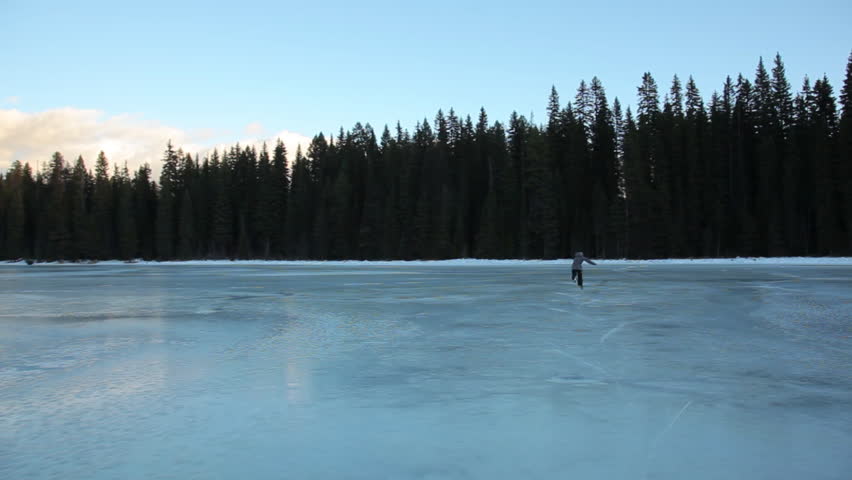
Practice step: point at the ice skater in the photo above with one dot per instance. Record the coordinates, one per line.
(577, 268)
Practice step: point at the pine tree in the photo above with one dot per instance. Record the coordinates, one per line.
(517, 189)
(721, 169)
(604, 169)
(782, 99)
(584, 108)
(15, 224)
(674, 129)
(421, 243)
(469, 182)
(126, 217)
(391, 154)
(166, 204)
(801, 235)
(845, 154)
(782, 206)
(556, 139)
(102, 209)
(542, 215)
(745, 169)
(82, 223)
(573, 172)
(830, 226)
(617, 232)
(766, 153)
(440, 187)
(266, 215)
(203, 202)
(696, 191)
(58, 235)
(637, 192)
(488, 141)
(145, 202)
(222, 229)
(655, 169)
(244, 197)
(280, 188)
(370, 233)
(300, 223)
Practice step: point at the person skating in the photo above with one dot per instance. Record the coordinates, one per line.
(577, 268)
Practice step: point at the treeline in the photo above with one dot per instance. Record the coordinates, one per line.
(757, 171)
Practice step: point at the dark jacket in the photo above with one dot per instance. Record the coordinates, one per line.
(578, 261)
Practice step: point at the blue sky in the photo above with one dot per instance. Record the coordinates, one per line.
(224, 72)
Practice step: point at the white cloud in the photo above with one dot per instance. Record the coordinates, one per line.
(254, 129)
(13, 100)
(33, 137)
(291, 141)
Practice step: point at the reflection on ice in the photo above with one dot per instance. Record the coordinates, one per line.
(425, 371)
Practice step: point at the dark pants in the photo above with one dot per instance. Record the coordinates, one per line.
(578, 274)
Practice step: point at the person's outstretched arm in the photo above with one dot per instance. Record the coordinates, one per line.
(589, 260)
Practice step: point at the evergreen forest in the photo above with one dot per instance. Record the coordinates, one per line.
(752, 170)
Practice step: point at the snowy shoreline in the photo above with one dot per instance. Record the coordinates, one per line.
(477, 262)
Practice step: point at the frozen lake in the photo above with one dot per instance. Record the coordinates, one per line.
(425, 372)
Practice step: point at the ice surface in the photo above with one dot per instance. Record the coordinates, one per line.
(445, 370)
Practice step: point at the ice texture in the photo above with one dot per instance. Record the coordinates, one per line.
(426, 371)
